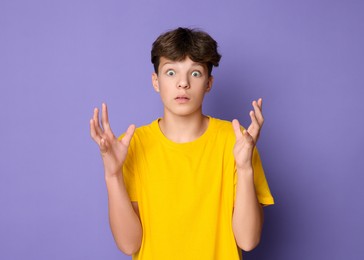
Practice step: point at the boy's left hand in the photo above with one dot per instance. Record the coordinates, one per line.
(246, 140)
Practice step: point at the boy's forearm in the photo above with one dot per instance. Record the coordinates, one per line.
(248, 212)
(124, 222)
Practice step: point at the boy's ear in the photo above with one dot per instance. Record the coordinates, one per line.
(155, 82)
(209, 83)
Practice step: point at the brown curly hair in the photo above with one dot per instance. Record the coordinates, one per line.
(180, 43)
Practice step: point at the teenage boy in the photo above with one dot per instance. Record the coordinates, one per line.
(187, 186)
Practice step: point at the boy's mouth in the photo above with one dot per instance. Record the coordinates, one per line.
(182, 99)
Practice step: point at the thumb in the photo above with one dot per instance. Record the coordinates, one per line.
(236, 126)
(128, 135)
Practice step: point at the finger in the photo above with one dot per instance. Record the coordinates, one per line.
(260, 104)
(105, 119)
(258, 113)
(254, 127)
(253, 118)
(93, 132)
(104, 116)
(248, 137)
(96, 121)
(236, 126)
(128, 135)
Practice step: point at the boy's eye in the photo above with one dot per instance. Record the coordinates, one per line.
(171, 72)
(196, 73)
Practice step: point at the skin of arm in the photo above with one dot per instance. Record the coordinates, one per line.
(123, 217)
(248, 212)
(247, 218)
(123, 214)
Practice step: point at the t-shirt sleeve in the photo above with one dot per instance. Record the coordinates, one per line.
(261, 185)
(130, 171)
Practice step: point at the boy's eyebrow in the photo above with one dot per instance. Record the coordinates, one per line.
(167, 63)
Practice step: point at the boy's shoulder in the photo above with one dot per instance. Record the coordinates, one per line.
(221, 124)
(222, 129)
(148, 128)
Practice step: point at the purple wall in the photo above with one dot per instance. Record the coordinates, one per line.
(59, 59)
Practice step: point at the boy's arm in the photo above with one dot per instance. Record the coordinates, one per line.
(123, 216)
(248, 213)
(124, 220)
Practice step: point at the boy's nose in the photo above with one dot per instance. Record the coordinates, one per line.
(183, 84)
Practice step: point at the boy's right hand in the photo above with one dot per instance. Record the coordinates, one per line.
(113, 151)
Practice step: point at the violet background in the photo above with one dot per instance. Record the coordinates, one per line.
(59, 59)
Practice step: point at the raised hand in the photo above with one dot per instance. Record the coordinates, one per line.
(246, 140)
(113, 151)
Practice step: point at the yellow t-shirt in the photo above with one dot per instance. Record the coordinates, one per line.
(185, 193)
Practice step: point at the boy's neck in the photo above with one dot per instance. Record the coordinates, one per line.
(183, 129)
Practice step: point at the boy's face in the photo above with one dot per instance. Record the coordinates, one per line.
(182, 85)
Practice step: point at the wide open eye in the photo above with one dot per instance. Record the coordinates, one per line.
(196, 73)
(171, 72)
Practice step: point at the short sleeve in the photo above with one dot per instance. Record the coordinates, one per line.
(130, 171)
(261, 185)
